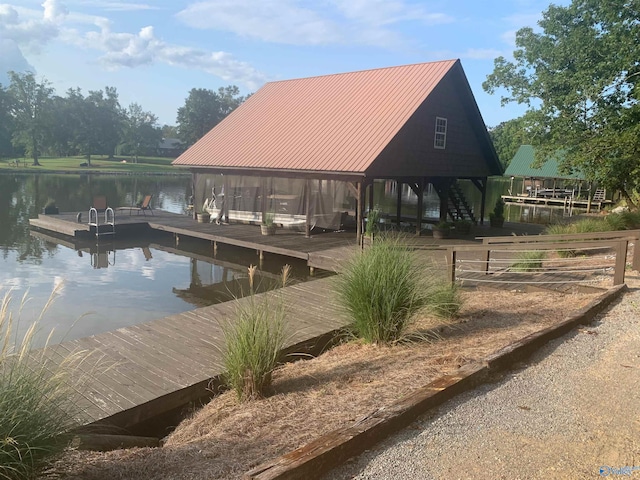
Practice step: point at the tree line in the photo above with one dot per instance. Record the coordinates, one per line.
(579, 77)
(35, 122)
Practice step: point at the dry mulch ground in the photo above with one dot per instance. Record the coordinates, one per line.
(224, 439)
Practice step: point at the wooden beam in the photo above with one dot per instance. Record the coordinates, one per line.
(483, 200)
(359, 211)
(399, 201)
(307, 209)
(371, 196)
(420, 207)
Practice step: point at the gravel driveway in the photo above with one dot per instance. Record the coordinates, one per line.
(573, 410)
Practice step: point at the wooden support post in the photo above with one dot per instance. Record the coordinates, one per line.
(420, 207)
(227, 199)
(483, 191)
(263, 199)
(635, 262)
(451, 264)
(371, 204)
(307, 209)
(194, 212)
(215, 248)
(621, 262)
(359, 212)
(312, 271)
(488, 260)
(399, 200)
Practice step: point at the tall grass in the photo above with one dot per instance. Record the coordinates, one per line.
(36, 409)
(253, 340)
(529, 261)
(382, 289)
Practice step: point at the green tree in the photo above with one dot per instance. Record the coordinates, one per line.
(108, 119)
(204, 109)
(169, 131)
(141, 133)
(579, 79)
(6, 123)
(31, 112)
(507, 138)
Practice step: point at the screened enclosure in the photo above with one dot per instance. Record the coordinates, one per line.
(324, 203)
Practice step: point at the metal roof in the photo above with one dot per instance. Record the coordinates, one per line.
(336, 123)
(521, 166)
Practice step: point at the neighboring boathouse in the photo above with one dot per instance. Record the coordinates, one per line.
(307, 151)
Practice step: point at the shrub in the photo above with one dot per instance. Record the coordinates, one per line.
(372, 222)
(381, 290)
(443, 298)
(36, 410)
(253, 340)
(529, 261)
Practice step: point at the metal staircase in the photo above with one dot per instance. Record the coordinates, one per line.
(457, 206)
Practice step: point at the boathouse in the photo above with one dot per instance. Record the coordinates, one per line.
(307, 151)
(547, 179)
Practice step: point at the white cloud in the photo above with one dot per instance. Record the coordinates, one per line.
(11, 58)
(278, 21)
(366, 22)
(119, 6)
(30, 30)
(144, 48)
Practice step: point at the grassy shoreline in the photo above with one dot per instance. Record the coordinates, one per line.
(99, 165)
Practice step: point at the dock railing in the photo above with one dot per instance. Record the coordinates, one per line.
(615, 243)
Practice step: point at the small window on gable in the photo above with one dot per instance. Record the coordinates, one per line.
(440, 139)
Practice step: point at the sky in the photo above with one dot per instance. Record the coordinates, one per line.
(155, 51)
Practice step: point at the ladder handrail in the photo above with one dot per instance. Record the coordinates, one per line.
(109, 219)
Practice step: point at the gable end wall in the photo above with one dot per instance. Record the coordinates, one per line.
(411, 153)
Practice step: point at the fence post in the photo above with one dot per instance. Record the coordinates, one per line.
(621, 262)
(486, 265)
(635, 263)
(451, 264)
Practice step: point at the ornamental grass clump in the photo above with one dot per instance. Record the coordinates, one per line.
(36, 409)
(253, 341)
(443, 297)
(381, 290)
(528, 261)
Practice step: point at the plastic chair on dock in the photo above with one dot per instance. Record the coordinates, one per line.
(143, 207)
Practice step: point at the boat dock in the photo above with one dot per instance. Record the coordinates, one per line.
(324, 250)
(140, 372)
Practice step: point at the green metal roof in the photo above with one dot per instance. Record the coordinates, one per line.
(520, 166)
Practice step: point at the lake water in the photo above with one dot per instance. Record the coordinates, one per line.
(102, 287)
(110, 285)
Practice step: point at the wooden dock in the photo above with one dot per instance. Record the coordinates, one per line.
(157, 367)
(153, 368)
(286, 242)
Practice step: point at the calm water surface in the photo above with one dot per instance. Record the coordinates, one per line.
(105, 286)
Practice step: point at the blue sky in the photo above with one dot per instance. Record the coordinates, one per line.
(155, 51)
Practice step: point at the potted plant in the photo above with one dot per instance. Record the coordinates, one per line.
(203, 217)
(496, 218)
(268, 226)
(50, 208)
(462, 226)
(373, 218)
(441, 230)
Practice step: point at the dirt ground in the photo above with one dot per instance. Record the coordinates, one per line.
(224, 439)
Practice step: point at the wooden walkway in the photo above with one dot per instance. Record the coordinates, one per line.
(285, 242)
(152, 368)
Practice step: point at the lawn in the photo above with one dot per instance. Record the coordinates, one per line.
(98, 164)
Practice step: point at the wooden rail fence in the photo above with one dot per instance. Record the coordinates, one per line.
(615, 242)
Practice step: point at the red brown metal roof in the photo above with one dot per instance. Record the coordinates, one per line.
(335, 123)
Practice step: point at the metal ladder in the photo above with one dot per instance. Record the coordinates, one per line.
(109, 222)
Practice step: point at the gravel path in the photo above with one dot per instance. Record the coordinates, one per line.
(573, 409)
